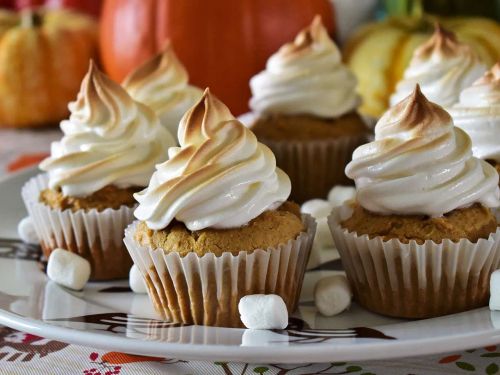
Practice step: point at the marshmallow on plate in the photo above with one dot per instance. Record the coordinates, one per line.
(339, 194)
(495, 290)
(68, 269)
(136, 281)
(332, 295)
(26, 231)
(263, 311)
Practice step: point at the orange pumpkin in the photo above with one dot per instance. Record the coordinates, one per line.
(222, 43)
(43, 58)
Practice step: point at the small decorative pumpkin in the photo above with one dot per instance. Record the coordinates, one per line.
(92, 7)
(378, 53)
(221, 43)
(43, 57)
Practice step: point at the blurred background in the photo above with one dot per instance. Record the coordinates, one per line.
(46, 45)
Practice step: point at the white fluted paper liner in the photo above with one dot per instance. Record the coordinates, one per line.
(96, 236)
(206, 290)
(413, 280)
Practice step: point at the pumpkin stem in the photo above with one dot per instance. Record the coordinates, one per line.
(30, 18)
(417, 9)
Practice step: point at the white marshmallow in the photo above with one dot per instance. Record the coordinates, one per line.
(323, 237)
(332, 295)
(68, 269)
(495, 290)
(136, 281)
(263, 311)
(317, 208)
(26, 231)
(339, 194)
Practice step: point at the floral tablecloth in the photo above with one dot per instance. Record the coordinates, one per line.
(23, 353)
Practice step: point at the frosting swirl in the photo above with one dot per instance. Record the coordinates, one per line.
(478, 113)
(108, 139)
(219, 177)
(420, 164)
(305, 77)
(162, 84)
(442, 67)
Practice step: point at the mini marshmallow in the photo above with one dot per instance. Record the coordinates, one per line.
(495, 290)
(68, 269)
(323, 237)
(263, 311)
(317, 208)
(26, 231)
(340, 194)
(136, 281)
(332, 295)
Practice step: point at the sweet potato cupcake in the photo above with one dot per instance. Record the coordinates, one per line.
(478, 113)
(421, 240)
(162, 84)
(305, 109)
(214, 223)
(443, 67)
(85, 200)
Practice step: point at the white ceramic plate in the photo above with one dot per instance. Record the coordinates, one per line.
(109, 316)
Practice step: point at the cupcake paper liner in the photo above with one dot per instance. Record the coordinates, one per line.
(96, 236)
(315, 166)
(206, 290)
(416, 280)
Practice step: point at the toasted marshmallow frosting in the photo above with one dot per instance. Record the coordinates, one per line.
(219, 177)
(305, 77)
(420, 164)
(478, 113)
(109, 139)
(442, 67)
(162, 84)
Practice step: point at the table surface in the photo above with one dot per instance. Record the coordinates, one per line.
(22, 353)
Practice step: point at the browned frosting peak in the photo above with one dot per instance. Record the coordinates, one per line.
(305, 39)
(443, 42)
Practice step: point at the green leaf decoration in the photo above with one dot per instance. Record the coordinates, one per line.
(492, 369)
(353, 369)
(338, 363)
(465, 366)
(490, 355)
(220, 363)
(260, 370)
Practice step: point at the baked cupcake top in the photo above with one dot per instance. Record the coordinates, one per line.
(109, 139)
(478, 113)
(219, 177)
(420, 164)
(442, 67)
(305, 76)
(162, 84)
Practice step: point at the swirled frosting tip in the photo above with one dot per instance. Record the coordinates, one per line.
(443, 42)
(492, 76)
(416, 114)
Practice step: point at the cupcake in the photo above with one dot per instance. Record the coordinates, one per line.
(421, 240)
(162, 84)
(214, 224)
(305, 109)
(443, 67)
(478, 113)
(84, 201)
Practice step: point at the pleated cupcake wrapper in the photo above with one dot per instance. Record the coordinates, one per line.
(315, 166)
(412, 280)
(206, 290)
(96, 236)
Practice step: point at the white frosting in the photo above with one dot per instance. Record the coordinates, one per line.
(305, 77)
(109, 139)
(420, 163)
(162, 84)
(219, 177)
(442, 67)
(478, 113)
